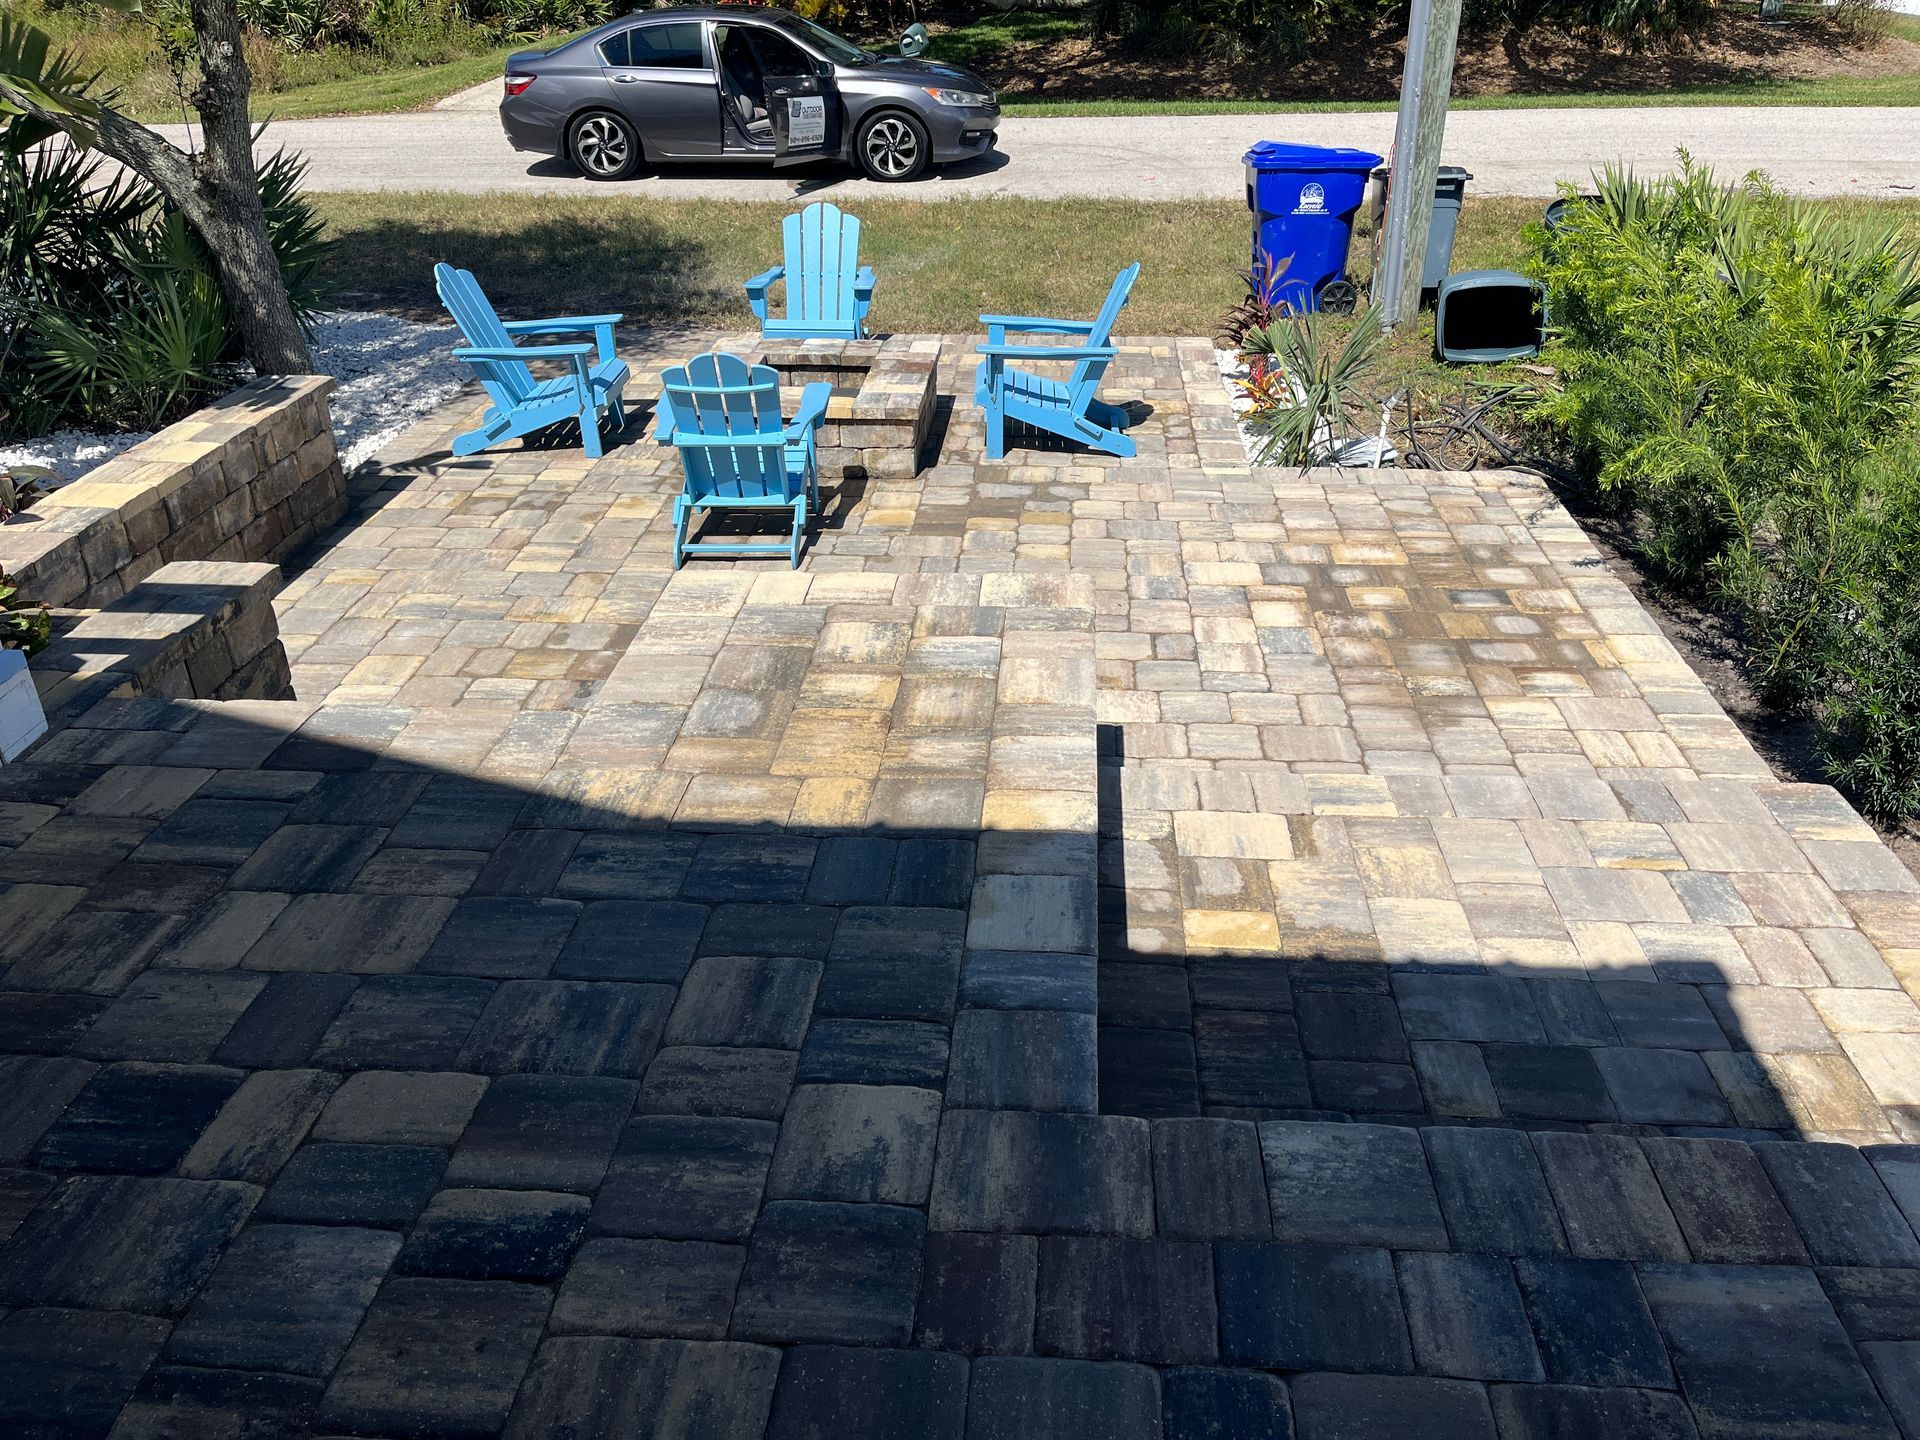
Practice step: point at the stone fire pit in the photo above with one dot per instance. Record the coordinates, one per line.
(882, 408)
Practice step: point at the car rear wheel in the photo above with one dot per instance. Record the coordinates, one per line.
(604, 146)
(892, 146)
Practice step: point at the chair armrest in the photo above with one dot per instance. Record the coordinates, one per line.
(1048, 352)
(757, 290)
(813, 409)
(523, 352)
(600, 325)
(864, 281)
(663, 421)
(560, 324)
(1036, 325)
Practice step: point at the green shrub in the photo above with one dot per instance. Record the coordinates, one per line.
(111, 316)
(1742, 374)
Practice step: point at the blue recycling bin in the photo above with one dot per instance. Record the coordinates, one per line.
(1303, 199)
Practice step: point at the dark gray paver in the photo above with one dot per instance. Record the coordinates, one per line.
(437, 1357)
(1467, 1007)
(1610, 1203)
(1208, 1181)
(686, 1178)
(1350, 1185)
(1724, 1204)
(1364, 1407)
(1048, 1173)
(1876, 1304)
(640, 940)
(600, 1388)
(567, 1027)
(1660, 1014)
(123, 1242)
(856, 1143)
(1305, 1307)
(1024, 1060)
(1549, 1082)
(502, 938)
(1103, 1298)
(1895, 1367)
(1757, 1348)
(1011, 980)
(1465, 1317)
(1203, 1404)
(66, 1373)
(836, 1393)
(286, 1020)
(39, 1089)
(135, 1118)
(1492, 1192)
(399, 1107)
(874, 1052)
(1898, 1167)
(189, 1402)
(835, 1273)
(977, 1293)
(718, 1080)
(496, 1235)
(1027, 1399)
(170, 1015)
(678, 1288)
(1564, 1412)
(260, 1126)
(1844, 1213)
(1662, 1087)
(285, 1297)
(381, 1185)
(403, 1022)
(1592, 1324)
(20, 1191)
(542, 1132)
(745, 1000)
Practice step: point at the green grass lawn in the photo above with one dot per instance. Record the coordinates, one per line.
(941, 263)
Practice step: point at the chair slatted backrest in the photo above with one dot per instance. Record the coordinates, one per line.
(1087, 374)
(822, 245)
(726, 419)
(507, 382)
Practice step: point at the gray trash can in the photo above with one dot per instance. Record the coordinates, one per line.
(1449, 189)
(1482, 317)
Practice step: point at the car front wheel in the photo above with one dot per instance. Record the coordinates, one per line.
(892, 146)
(604, 146)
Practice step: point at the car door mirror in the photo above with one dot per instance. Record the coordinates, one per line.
(914, 42)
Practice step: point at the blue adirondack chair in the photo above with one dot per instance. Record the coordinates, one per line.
(737, 452)
(1069, 407)
(827, 296)
(523, 404)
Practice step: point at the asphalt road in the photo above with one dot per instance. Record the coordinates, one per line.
(1863, 152)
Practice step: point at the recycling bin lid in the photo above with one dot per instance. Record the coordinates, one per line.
(1280, 155)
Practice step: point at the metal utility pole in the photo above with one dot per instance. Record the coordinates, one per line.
(1425, 84)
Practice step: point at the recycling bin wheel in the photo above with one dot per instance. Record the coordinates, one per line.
(1338, 297)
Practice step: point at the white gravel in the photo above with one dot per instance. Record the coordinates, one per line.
(390, 372)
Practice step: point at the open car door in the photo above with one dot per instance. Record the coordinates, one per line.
(805, 111)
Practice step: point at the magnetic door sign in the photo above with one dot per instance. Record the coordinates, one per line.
(806, 120)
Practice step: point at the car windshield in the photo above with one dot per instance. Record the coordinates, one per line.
(841, 52)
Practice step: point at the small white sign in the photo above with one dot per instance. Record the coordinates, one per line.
(1313, 199)
(806, 121)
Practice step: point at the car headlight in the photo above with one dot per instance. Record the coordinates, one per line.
(970, 99)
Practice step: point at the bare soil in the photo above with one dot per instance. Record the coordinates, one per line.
(1736, 47)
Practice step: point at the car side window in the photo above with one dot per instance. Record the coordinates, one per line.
(613, 49)
(673, 46)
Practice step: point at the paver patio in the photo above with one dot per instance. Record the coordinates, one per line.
(1105, 948)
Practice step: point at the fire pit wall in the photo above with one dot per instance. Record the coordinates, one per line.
(880, 419)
